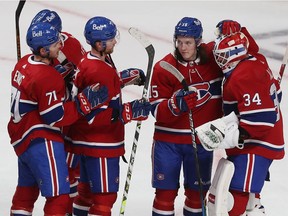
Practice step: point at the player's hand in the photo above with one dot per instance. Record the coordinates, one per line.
(183, 101)
(132, 76)
(227, 27)
(91, 98)
(222, 133)
(135, 110)
(62, 70)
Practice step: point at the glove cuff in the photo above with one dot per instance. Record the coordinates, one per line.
(126, 115)
(82, 103)
(173, 107)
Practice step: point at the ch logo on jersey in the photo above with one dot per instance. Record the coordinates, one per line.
(203, 94)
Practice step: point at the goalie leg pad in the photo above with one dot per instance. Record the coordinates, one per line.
(220, 201)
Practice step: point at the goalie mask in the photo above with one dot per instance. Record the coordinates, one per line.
(230, 50)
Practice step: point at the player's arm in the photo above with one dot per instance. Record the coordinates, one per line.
(55, 112)
(168, 102)
(228, 27)
(132, 76)
(259, 110)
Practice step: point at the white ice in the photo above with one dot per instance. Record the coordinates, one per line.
(267, 21)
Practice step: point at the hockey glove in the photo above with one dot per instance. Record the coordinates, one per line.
(136, 110)
(227, 27)
(222, 133)
(132, 76)
(91, 98)
(62, 70)
(182, 101)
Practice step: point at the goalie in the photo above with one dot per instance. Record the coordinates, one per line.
(251, 130)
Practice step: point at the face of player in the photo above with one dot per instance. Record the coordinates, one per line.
(54, 49)
(187, 48)
(49, 53)
(110, 44)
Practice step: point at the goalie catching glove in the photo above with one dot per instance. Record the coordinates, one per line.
(136, 110)
(91, 98)
(222, 133)
(132, 76)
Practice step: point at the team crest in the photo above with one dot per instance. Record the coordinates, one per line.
(160, 176)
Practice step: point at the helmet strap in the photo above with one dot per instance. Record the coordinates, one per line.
(103, 43)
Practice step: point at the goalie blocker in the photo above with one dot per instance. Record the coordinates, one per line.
(222, 133)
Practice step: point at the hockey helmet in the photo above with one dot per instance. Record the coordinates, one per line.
(99, 29)
(48, 16)
(41, 35)
(189, 27)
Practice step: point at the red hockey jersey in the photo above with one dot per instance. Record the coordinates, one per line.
(37, 108)
(252, 92)
(207, 78)
(98, 134)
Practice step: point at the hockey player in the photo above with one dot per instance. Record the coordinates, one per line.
(101, 141)
(69, 57)
(228, 27)
(251, 131)
(172, 146)
(37, 113)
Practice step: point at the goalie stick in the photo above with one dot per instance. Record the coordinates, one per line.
(283, 65)
(142, 38)
(175, 72)
(17, 16)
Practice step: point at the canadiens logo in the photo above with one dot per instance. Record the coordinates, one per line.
(160, 176)
(203, 94)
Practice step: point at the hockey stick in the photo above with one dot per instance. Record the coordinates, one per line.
(17, 16)
(170, 68)
(283, 65)
(142, 38)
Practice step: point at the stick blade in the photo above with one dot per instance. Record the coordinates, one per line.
(140, 36)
